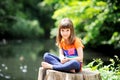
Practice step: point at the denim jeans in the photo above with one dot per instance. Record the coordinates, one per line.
(57, 65)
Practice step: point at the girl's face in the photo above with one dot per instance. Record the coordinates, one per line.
(65, 33)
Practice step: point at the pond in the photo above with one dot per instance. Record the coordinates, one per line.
(20, 60)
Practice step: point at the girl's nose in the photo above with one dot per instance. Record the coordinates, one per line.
(65, 32)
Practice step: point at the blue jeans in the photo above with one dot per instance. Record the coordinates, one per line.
(57, 65)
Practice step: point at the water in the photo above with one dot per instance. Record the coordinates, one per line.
(20, 60)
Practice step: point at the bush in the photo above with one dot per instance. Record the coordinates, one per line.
(108, 72)
(26, 29)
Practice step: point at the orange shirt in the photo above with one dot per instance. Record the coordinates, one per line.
(77, 44)
(71, 50)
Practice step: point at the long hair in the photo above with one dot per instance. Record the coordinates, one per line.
(66, 23)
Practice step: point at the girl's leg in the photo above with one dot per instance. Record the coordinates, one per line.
(51, 59)
(70, 65)
(56, 65)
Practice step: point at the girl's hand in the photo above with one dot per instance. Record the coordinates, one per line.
(64, 60)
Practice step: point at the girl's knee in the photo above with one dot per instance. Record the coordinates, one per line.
(46, 55)
(76, 63)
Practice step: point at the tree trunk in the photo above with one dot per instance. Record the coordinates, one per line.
(57, 75)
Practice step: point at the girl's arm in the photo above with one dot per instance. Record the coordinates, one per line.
(80, 55)
(62, 57)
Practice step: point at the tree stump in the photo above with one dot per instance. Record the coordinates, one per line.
(57, 75)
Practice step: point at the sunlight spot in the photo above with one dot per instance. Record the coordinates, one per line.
(4, 41)
(21, 58)
(1, 75)
(7, 77)
(3, 65)
(6, 68)
(23, 68)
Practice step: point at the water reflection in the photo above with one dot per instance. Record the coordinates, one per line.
(20, 60)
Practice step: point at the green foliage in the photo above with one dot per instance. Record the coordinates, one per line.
(45, 13)
(26, 29)
(108, 72)
(7, 15)
(22, 19)
(95, 21)
(114, 40)
(87, 16)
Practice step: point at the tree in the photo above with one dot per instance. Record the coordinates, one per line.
(95, 20)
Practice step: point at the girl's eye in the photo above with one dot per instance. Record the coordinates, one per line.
(62, 30)
(68, 30)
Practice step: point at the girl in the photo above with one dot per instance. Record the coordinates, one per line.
(70, 50)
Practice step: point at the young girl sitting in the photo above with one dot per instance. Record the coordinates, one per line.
(70, 50)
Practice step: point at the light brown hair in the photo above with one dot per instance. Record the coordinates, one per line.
(66, 23)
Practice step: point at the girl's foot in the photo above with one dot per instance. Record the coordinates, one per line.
(46, 65)
(73, 71)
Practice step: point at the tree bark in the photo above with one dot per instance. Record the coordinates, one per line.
(57, 75)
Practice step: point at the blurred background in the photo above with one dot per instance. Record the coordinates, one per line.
(28, 29)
